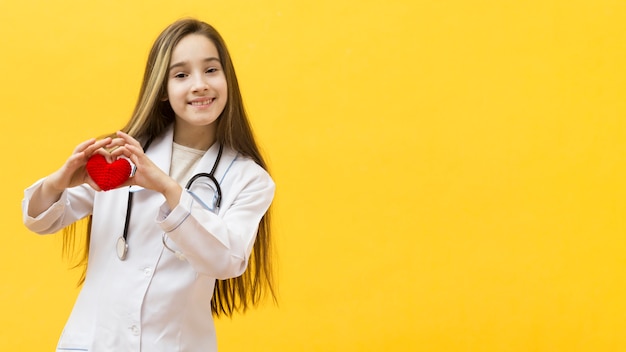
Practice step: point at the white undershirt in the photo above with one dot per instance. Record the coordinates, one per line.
(184, 161)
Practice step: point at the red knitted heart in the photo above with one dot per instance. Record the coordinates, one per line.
(108, 176)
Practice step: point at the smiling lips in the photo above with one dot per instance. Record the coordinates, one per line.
(204, 102)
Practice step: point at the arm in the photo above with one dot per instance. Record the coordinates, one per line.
(45, 202)
(219, 245)
(73, 204)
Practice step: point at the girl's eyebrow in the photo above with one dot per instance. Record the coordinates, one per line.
(183, 63)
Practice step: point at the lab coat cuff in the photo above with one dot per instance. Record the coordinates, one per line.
(43, 221)
(171, 219)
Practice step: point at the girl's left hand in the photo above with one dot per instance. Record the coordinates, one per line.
(147, 174)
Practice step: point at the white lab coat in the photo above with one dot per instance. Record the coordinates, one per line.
(154, 301)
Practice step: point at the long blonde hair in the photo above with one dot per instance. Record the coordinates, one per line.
(151, 117)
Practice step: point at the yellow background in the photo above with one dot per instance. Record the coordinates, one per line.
(450, 173)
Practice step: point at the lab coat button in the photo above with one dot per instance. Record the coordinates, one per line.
(147, 271)
(135, 330)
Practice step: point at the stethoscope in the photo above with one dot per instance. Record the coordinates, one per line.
(122, 242)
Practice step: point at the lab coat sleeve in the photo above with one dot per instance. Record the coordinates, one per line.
(219, 245)
(74, 204)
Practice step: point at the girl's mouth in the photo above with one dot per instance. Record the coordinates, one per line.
(202, 102)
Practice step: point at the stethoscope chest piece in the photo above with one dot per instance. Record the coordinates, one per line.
(122, 248)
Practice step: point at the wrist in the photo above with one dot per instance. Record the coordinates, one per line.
(172, 192)
(49, 186)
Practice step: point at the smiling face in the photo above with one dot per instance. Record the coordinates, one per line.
(196, 90)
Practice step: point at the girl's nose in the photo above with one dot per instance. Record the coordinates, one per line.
(200, 83)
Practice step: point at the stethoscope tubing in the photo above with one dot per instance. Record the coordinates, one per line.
(210, 175)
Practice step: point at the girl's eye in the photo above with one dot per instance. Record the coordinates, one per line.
(211, 70)
(179, 75)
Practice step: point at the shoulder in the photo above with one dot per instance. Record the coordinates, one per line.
(243, 169)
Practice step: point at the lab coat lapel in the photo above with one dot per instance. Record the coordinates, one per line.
(208, 159)
(160, 152)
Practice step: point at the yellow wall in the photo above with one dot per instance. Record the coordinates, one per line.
(450, 173)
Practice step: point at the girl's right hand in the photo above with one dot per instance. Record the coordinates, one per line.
(71, 174)
(74, 172)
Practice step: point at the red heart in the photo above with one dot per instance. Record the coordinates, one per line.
(108, 176)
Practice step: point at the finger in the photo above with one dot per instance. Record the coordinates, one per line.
(75, 160)
(105, 153)
(82, 146)
(115, 143)
(130, 151)
(136, 154)
(134, 149)
(91, 149)
(128, 138)
(135, 159)
(120, 151)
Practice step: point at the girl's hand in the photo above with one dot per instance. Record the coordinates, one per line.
(147, 174)
(71, 174)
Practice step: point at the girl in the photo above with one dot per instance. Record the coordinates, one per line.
(164, 255)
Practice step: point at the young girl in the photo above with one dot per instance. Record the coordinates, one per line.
(164, 255)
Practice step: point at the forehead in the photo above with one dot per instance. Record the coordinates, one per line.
(194, 47)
